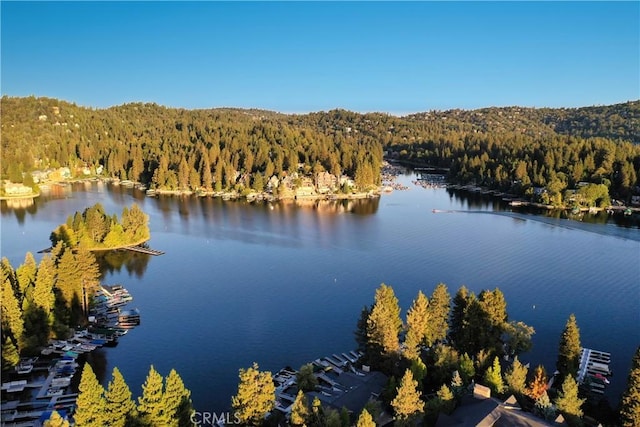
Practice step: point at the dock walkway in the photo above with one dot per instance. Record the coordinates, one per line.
(143, 250)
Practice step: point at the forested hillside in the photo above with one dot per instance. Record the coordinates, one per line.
(514, 149)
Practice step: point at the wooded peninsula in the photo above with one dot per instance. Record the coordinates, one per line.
(586, 156)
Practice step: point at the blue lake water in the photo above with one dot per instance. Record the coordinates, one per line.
(281, 284)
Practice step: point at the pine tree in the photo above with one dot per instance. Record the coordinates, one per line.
(466, 368)
(569, 351)
(516, 377)
(457, 386)
(151, 403)
(361, 330)
(458, 315)
(119, 404)
(256, 395)
(492, 321)
(26, 273)
(90, 404)
(365, 419)
(11, 313)
(544, 408)
(518, 337)
(300, 410)
(68, 282)
(417, 324)
(177, 400)
(493, 377)
(384, 322)
(446, 398)
(43, 295)
(568, 401)
(630, 403)
(305, 378)
(419, 371)
(10, 356)
(438, 314)
(407, 403)
(538, 384)
(317, 413)
(88, 272)
(55, 420)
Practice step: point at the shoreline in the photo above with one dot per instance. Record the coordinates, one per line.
(21, 197)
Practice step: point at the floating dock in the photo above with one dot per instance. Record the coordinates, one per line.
(144, 250)
(594, 369)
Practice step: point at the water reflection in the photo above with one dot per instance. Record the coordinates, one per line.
(113, 261)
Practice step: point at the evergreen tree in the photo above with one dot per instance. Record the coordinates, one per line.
(569, 351)
(568, 401)
(305, 378)
(466, 368)
(446, 398)
(417, 324)
(36, 328)
(300, 410)
(90, 404)
(177, 401)
(89, 275)
(538, 384)
(256, 395)
(630, 403)
(445, 362)
(365, 419)
(458, 316)
(55, 420)
(384, 322)
(493, 377)
(43, 295)
(492, 320)
(68, 281)
(151, 403)
(119, 405)
(10, 356)
(457, 386)
(438, 315)
(419, 371)
(544, 408)
(407, 404)
(516, 377)
(362, 338)
(317, 413)
(518, 337)
(11, 313)
(26, 273)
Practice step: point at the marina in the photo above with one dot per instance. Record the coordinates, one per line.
(594, 371)
(341, 383)
(42, 384)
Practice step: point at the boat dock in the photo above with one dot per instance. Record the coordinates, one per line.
(594, 369)
(143, 250)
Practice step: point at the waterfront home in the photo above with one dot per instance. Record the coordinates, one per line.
(16, 189)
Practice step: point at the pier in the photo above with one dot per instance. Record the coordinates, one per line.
(594, 369)
(143, 250)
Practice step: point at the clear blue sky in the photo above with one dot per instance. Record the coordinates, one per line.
(300, 57)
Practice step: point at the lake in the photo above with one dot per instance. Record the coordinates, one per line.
(281, 284)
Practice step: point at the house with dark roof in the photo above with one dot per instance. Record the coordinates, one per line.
(484, 411)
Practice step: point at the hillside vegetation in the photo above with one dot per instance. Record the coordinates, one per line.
(513, 149)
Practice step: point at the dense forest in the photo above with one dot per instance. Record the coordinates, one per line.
(542, 153)
(95, 230)
(45, 300)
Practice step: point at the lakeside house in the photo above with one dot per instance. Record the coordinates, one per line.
(483, 410)
(16, 189)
